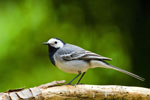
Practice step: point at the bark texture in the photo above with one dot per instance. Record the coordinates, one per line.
(56, 91)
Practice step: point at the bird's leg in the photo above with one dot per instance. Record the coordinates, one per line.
(80, 78)
(74, 78)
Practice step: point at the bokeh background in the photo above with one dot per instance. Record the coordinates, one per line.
(112, 28)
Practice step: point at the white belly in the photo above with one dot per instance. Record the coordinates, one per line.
(74, 66)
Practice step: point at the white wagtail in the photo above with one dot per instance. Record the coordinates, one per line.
(74, 59)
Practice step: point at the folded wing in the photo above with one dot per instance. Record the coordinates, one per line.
(83, 55)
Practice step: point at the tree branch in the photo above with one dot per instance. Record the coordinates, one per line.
(55, 91)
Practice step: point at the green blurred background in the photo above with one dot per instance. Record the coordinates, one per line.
(112, 28)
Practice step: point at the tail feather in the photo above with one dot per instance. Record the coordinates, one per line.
(96, 63)
(126, 72)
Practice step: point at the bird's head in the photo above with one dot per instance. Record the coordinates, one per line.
(55, 42)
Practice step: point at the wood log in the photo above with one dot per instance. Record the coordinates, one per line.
(57, 91)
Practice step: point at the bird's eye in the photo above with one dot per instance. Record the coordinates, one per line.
(55, 42)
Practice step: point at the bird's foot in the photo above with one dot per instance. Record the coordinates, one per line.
(79, 83)
(68, 83)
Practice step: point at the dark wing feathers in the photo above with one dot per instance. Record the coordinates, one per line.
(89, 55)
(72, 56)
(83, 55)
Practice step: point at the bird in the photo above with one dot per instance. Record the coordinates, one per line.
(76, 60)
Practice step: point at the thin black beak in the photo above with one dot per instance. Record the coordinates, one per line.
(46, 43)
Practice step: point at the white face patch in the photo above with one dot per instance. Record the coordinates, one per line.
(55, 43)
